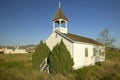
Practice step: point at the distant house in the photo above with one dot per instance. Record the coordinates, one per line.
(84, 51)
(31, 49)
(14, 51)
(1, 50)
(18, 50)
(7, 51)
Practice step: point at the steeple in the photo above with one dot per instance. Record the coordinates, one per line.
(59, 15)
(60, 21)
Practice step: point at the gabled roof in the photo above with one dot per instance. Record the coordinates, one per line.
(77, 38)
(59, 15)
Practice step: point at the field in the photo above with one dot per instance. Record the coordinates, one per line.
(19, 67)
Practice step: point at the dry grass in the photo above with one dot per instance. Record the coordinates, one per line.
(19, 67)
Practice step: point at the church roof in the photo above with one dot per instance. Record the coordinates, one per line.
(59, 15)
(74, 37)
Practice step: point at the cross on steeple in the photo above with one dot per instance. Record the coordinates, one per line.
(60, 21)
(59, 5)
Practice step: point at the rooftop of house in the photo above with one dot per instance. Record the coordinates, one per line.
(79, 38)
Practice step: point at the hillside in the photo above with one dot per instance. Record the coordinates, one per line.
(19, 67)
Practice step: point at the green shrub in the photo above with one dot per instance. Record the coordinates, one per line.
(98, 63)
(60, 59)
(42, 51)
(87, 73)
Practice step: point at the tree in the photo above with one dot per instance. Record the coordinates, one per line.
(105, 39)
(60, 59)
(42, 51)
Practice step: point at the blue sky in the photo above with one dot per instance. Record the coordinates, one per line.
(24, 22)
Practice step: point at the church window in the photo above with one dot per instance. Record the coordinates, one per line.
(94, 52)
(56, 35)
(100, 52)
(86, 52)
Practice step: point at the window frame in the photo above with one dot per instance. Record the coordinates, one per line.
(94, 51)
(100, 52)
(86, 52)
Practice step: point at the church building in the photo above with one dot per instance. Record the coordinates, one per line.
(83, 50)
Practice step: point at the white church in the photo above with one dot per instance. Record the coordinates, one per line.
(83, 50)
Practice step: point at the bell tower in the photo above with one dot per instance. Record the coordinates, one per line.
(60, 21)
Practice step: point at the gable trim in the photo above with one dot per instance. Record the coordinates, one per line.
(72, 41)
